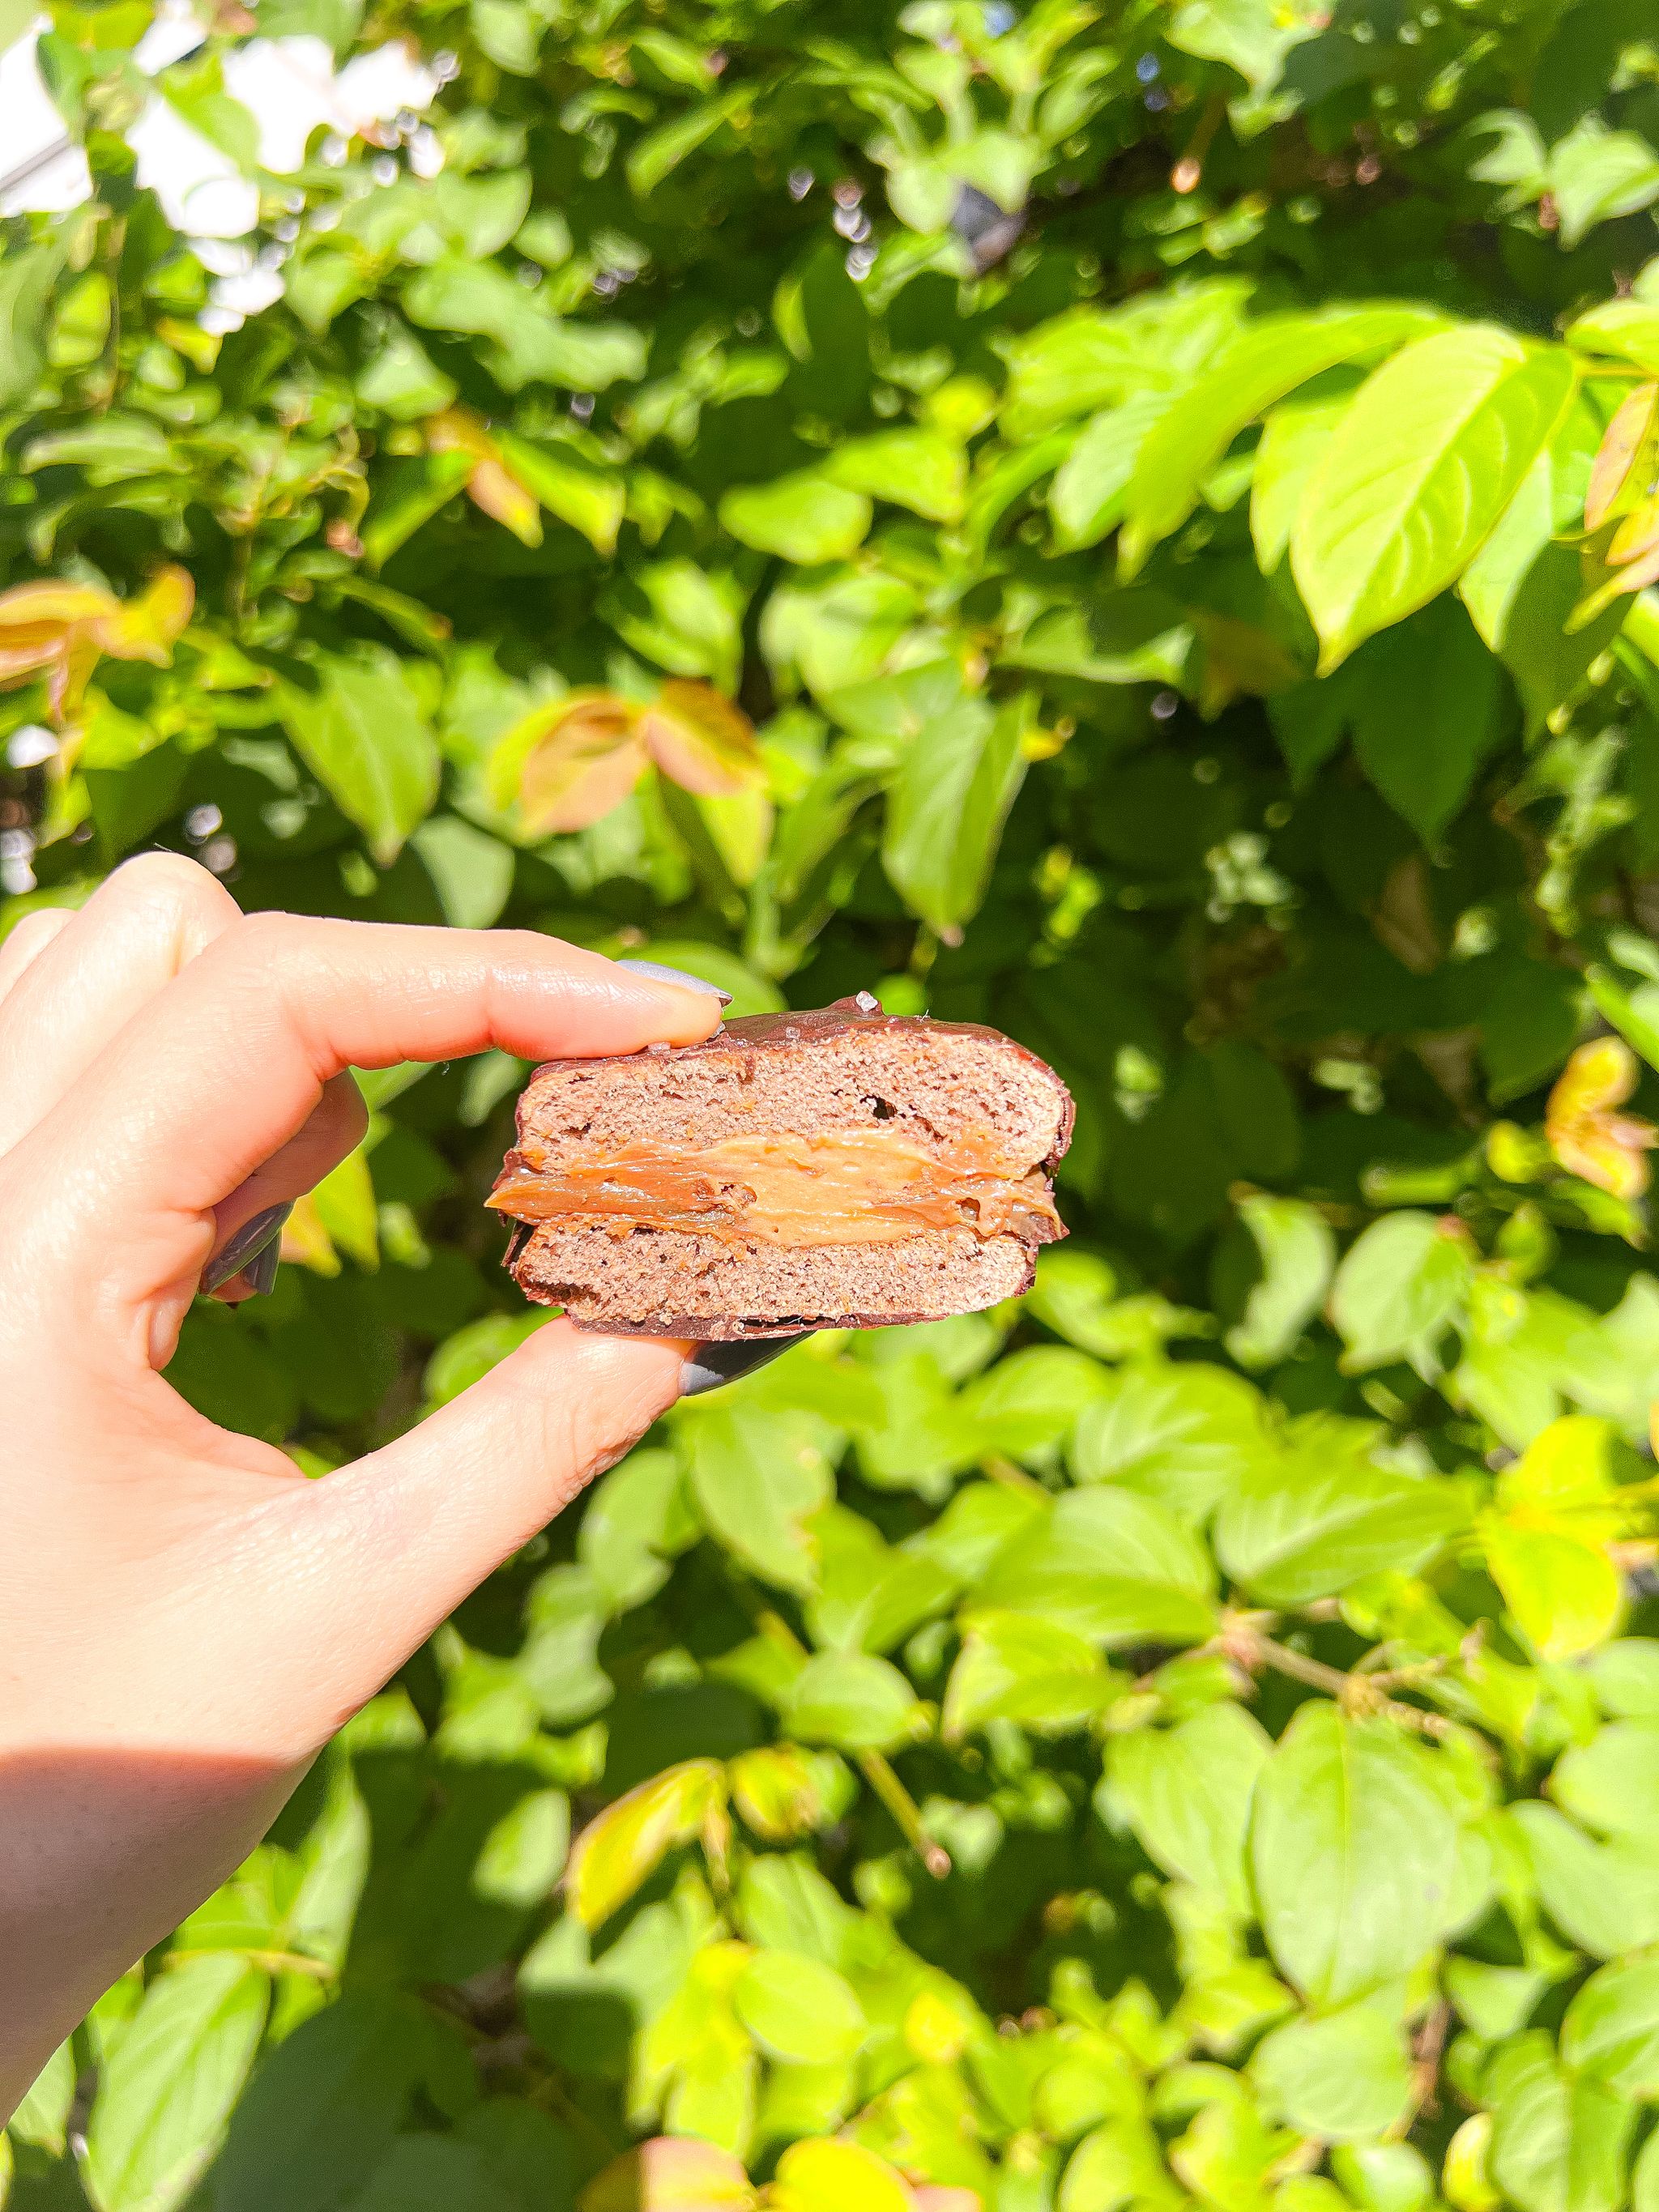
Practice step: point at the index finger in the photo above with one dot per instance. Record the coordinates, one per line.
(228, 1061)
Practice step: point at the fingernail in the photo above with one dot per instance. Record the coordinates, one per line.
(714, 1365)
(259, 1273)
(249, 1245)
(660, 973)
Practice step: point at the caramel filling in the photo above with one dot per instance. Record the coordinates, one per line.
(850, 1186)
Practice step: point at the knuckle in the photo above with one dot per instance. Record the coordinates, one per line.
(35, 930)
(264, 936)
(171, 880)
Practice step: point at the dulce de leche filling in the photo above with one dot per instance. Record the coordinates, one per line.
(845, 1187)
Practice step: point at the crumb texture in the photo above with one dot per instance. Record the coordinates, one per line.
(937, 1083)
(666, 1283)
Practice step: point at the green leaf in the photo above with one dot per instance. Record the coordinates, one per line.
(323, 2108)
(799, 2009)
(1400, 1285)
(1556, 2145)
(1090, 490)
(1352, 1842)
(1028, 1404)
(523, 1854)
(1293, 440)
(467, 1357)
(363, 731)
(853, 1700)
(1012, 1668)
(1187, 1793)
(1109, 1565)
(756, 1480)
(590, 499)
(1267, 360)
(531, 344)
(1626, 1677)
(1088, 358)
(923, 470)
(401, 379)
(660, 152)
(1298, 1254)
(954, 785)
(683, 618)
(1254, 37)
(1603, 1897)
(1596, 175)
(1564, 1593)
(1317, 1514)
(432, 2174)
(1611, 2031)
(27, 276)
(1343, 2077)
(869, 1596)
(1428, 716)
(1424, 461)
(1611, 1784)
(830, 2174)
(168, 2091)
(1182, 1433)
(619, 1849)
(410, 493)
(1523, 585)
(472, 871)
(806, 518)
(43, 2116)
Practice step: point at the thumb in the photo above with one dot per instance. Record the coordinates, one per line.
(397, 1540)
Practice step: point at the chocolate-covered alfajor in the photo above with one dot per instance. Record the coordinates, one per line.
(843, 1168)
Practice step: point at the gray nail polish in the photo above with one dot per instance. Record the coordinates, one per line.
(252, 1241)
(660, 973)
(259, 1273)
(714, 1365)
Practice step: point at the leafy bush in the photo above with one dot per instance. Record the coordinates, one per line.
(1077, 518)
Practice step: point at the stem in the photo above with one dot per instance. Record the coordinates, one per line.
(1428, 2045)
(550, 2090)
(1010, 1476)
(876, 1771)
(272, 1962)
(1354, 1693)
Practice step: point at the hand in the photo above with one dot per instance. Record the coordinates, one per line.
(185, 1619)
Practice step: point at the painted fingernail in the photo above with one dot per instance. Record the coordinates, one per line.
(249, 1245)
(660, 973)
(259, 1273)
(711, 1366)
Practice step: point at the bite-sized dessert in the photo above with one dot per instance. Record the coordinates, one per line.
(839, 1168)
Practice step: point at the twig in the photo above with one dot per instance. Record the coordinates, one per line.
(876, 1770)
(1428, 2045)
(1011, 1477)
(271, 1962)
(1355, 1692)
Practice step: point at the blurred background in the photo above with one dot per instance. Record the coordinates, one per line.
(1138, 524)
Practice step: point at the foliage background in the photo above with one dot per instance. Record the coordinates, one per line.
(1193, 1739)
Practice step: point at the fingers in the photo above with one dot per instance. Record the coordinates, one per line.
(230, 1060)
(396, 1541)
(93, 972)
(335, 1127)
(334, 1130)
(26, 942)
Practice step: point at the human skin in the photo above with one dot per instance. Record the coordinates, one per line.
(185, 1619)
